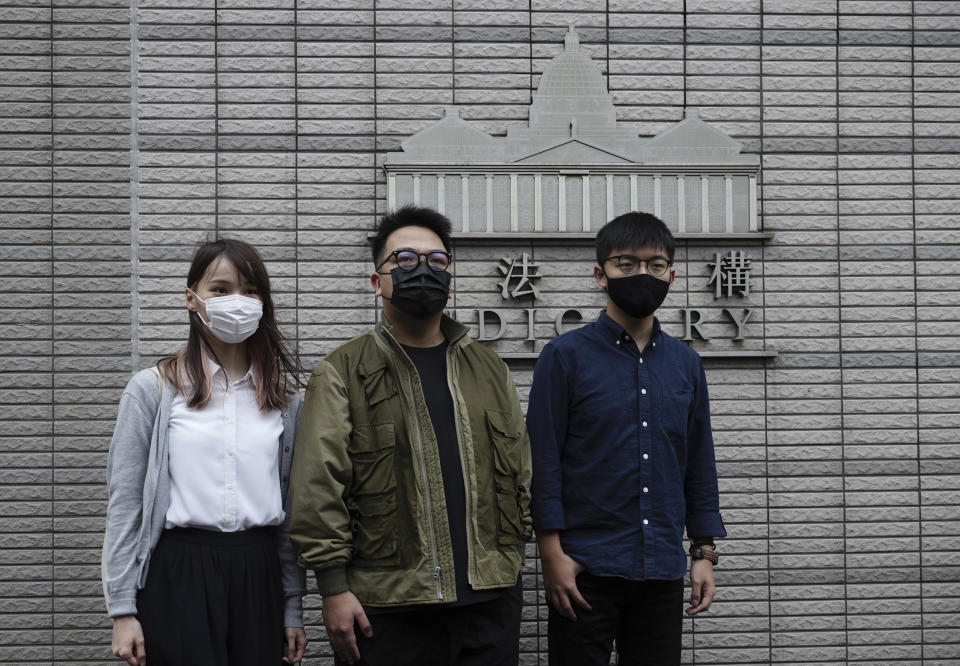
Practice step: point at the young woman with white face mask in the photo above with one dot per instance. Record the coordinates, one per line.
(197, 563)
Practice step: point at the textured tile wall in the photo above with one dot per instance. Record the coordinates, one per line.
(133, 130)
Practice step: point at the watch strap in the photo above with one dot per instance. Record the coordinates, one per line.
(704, 552)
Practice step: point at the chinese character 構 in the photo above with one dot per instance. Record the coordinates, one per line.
(521, 272)
(731, 272)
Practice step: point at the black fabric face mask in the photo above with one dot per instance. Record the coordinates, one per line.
(638, 295)
(421, 292)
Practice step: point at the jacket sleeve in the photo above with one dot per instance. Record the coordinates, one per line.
(320, 481)
(700, 486)
(547, 425)
(126, 470)
(293, 577)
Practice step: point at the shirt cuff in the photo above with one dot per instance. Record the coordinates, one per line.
(293, 612)
(122, 606)
(331, 581)
(705, 524)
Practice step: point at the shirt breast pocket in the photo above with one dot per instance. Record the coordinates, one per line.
(674, 414)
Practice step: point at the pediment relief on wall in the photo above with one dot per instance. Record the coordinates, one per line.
(573, 151)
(692, 175)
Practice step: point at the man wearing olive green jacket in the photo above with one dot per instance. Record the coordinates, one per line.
(411, 474)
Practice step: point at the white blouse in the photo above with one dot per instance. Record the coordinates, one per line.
(223, 459)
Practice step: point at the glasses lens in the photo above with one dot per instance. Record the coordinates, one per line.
(407, 260)
(657, 267)
(438, 261)
(627, 265)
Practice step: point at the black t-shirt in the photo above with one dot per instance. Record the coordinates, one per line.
(431, 363)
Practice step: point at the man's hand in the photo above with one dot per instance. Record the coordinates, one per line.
(127, 643)
(295, 641)
(560, 576)
(340, 612)
(702, 586)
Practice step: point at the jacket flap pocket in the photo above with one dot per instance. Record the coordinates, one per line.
(502, 423)
(378, 383)
(371, 437)
(376, 541)
(372, 455)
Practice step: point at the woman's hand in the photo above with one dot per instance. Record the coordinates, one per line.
(127, 643)
(294, 644)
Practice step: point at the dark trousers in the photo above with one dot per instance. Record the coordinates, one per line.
(213, 598)
(645, 618)
(482, 634)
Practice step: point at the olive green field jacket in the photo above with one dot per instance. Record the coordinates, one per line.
(368, 506)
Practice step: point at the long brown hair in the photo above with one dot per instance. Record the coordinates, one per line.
(277, 370)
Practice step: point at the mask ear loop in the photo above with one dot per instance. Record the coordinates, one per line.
(197, 312)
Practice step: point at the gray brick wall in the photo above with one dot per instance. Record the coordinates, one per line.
(130, 133)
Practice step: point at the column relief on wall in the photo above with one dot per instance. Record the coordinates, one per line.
(552, 184)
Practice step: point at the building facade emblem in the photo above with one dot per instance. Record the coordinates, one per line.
(574, 167)
(557, 180)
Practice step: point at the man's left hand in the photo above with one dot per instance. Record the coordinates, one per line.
(702, 586)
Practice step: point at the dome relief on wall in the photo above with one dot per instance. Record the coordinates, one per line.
(574, 167)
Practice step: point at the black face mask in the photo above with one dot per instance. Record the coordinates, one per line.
(638, 295)
(421, 292)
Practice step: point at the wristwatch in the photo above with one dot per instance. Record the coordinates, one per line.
(705, 551)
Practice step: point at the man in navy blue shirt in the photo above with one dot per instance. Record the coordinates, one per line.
(623, 461)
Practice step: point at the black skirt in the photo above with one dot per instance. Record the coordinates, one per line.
(213, 598)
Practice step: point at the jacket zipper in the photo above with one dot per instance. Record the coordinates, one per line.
(426, 485)
(463, 471)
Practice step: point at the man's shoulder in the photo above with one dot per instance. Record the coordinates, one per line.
(686, 354)
(482, 355)
(572, 342)
(351, 355)
(353, 348)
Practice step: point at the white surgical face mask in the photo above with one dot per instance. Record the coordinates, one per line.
(233, 318)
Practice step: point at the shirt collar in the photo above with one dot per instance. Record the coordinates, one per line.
(214, 368)
(613, 332)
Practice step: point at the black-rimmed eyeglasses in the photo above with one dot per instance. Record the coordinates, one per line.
(408, 259)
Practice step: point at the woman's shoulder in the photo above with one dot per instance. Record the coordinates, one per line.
(145, 385)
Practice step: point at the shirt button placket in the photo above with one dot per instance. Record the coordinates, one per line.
(231, 432)
(646, 442)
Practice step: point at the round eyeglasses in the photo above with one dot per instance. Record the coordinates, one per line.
(408, 259)
(629, 264)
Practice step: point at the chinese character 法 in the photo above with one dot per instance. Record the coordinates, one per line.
(522, 272)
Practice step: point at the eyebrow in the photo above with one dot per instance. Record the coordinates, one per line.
(413, 249)
(220, 282)
(656, 256)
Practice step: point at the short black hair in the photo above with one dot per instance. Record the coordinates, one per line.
(411, 216)
(632, 230)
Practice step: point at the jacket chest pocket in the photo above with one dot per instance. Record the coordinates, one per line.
(505, 436)
(373, 497)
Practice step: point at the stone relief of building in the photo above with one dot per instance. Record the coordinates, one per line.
(572, 169)
(575, 167)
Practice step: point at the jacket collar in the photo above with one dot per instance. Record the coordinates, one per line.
(452, 330)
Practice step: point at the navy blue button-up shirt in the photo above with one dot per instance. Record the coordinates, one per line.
(622, 451)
